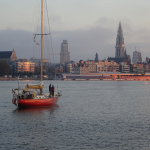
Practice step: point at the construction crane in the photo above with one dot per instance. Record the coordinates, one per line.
(54, 54)
(57, 54)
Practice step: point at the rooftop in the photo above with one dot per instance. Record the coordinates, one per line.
(5, 54)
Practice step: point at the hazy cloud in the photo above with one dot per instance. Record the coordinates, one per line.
(55, 18)
(83, 44)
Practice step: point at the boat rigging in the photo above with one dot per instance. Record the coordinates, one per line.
(32, 95)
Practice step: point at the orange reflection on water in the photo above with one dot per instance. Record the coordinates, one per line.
(146, 82)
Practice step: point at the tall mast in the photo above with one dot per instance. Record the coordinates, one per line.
(41, 40)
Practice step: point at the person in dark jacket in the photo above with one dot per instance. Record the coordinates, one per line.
(50, 90)
(53, 90)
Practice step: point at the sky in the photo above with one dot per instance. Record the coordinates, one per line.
(90, 26)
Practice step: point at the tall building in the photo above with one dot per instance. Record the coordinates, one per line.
(119, 43)
(64, 54)
(136, 57)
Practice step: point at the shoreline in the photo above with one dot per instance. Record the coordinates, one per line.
(21, 79)
(31, 79)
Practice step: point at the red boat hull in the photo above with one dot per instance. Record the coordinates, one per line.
(27, 103)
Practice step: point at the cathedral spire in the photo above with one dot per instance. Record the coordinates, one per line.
(119, 42)
(125, 52)
(96, 57)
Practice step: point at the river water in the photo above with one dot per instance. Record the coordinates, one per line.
(105, 115)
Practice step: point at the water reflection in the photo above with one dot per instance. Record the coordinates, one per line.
(36, 110)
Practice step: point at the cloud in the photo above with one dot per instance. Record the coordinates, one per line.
(16, 39)
(83, 44)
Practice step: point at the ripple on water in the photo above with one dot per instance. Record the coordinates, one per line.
(89, 115)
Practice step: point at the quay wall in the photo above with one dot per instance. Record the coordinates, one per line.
(15, 79)
(91, 78)
(114, 77)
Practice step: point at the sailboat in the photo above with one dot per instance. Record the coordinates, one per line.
(32, 95)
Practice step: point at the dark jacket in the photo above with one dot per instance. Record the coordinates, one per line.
(50, 88)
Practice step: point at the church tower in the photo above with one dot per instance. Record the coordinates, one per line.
(96, 58)
(119, 43)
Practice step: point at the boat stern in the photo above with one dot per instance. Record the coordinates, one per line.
(14, 101)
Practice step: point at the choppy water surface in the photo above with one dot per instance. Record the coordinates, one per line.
(107, 115)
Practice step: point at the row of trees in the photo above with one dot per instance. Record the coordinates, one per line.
(4, 68)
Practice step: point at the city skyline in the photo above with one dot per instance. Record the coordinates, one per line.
(88, 33)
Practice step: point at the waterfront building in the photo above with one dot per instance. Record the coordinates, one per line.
(107, 66)
(81, 68)
(136, 57)
(61, 70)
(124, 67)
(38, 61)
(57, 68)
(86, 67)
(91, 66)
(146, 67)
(137, 68)
(68, 67)
(64, 54)
(24, 65)
(8, 56)
(147, 60)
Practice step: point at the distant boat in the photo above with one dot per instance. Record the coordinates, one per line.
(32, 95)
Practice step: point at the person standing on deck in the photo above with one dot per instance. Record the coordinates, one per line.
(50, 90)
(53, 90)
